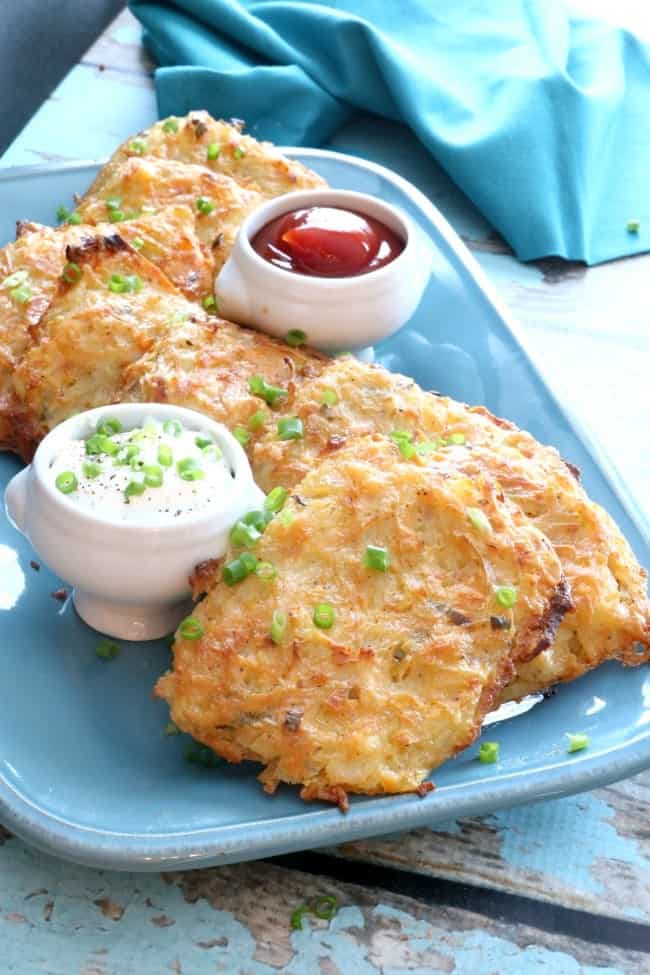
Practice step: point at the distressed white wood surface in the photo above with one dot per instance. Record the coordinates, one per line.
(589, 852)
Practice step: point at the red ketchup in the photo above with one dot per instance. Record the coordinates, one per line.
(327, 242)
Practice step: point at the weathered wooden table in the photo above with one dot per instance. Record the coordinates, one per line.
(560, 887)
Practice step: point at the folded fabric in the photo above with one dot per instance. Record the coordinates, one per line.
(541, 119)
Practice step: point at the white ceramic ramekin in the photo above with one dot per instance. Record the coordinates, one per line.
(130, 579)
(334, 313)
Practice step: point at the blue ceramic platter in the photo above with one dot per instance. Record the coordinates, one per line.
(85, 769)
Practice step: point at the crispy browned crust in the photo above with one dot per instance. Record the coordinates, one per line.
(403, 679)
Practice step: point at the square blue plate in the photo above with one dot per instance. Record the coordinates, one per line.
(85, 769)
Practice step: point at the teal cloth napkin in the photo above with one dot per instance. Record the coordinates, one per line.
(541, 119)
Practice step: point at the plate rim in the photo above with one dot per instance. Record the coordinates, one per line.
(211, 845)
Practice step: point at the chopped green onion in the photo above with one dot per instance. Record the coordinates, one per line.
(66, 482)
(239, 152)
(117, 284)
(18, 277)
(324, 616)
(257, 420)
(242, 435)
(297, 916)
(278, 625)
(165, 455)
(71, 272)
(116, 216)
(74, 218)
(137, 146)
(425, 448)
(106, 445)
(137, 243)
(456, 438)
(258, 519)
(296, 337)
(377, 558)
(134, 488)
(170, 729)
(22, 293)
(577, 742)
(329, 397)
(266, 571)
(275, 499)
(397, 436)
(210, 303)
(126, 454)
(204, 205)
(62, 213)
(506, 596)
(91, 469)
(113, 202)
(153, 475)
(212, 452)
(633, 226)
(133, 282)
(479, 520)
(173, 427)
(202, 441)
(244, 535)
(190, 628)
(237, 570)
(213, 150)
(488, 752)
(189, 469)
(109, 426)
(406, 449)
(290, 428)
(285, 517)
(93, 444)
(325, 907)
(258, 386)
(107, 650)
(170, 125)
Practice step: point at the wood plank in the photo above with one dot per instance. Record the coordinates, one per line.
(56, 919)
(590, 852)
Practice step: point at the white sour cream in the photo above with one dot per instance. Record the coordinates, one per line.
(126, 487)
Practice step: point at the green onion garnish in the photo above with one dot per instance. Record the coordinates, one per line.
(204, 205)
(266, 571)
(93, 444)
(297, 916)
(62, 213)
(243, 535)
(137, 243)
(290, 428)
(137, 146)
(126, 454)
(479, 520)
(275, 499)
(258, 519)
(488, 752)
(71, 272)
(213, 150)
(239, 153)
(325, 907)
(109, 426)
(202, 442)
(66, 482)
(170, 125)
(296, 337)
(190, 628)
(106, 445)
(329, 397)
(425, 448)
(22, 293)
(506, 596)
(212, 452)
(404, 441)
(285, 517)
(324, 616)
(116, 216)
(18, 277)
(278, 625)
(242, 435)
(237, 570)
(189, 469)
(456, 438)
(258, 386)
(134, 488)
(165, 455)
(74, 218)
(257, 420)
(376, 558)
(173, 427)
(170, 729)
(633, 226)
(153, 475)
(119, 283)
(107, 650)
(91, 469)
(210, 303)
(577, 742)
(113, 202)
